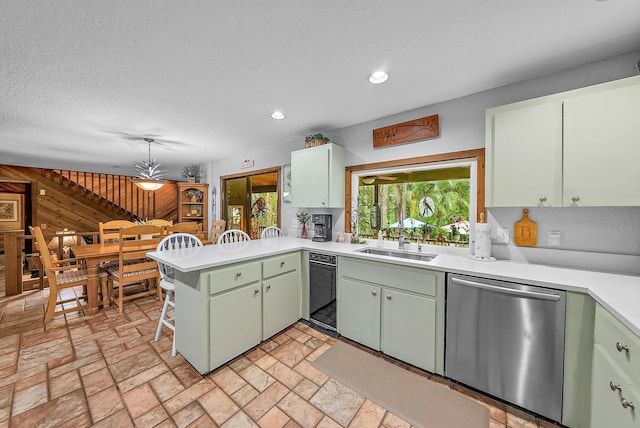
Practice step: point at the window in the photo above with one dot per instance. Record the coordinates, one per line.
(438, 196)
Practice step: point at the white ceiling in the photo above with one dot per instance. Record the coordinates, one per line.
(84, 81)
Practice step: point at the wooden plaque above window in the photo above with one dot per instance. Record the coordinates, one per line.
(406, 132)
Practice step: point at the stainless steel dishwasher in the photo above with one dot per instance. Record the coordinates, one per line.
(507, 339)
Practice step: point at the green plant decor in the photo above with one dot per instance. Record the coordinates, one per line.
(193, 172)
(317, 136)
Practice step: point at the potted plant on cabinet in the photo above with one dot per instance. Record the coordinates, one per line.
(315, 140)
(192, 173)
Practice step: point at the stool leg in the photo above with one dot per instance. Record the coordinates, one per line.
(173, 351)
(163, 315)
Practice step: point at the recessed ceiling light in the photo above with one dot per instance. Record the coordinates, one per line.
(378, 77)
(278, 115)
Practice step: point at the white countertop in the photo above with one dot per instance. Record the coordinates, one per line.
(620, 294)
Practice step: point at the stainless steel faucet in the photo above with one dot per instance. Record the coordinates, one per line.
(401, 241)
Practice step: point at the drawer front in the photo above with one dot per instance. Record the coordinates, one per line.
(406, 278)
(227, 278)
(280, 264)
(610, 334)
(610, 392)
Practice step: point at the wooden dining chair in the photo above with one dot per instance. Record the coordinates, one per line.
(167, 277)
(109, 231)
(233, 235)
(68, 280)
(217, 228)
(271, 232)
(186, 227)
(135, 272)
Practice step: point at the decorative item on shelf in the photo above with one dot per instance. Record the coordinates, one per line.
(149, 176)
(196, 211)
(303, 219)
(192, 173)
(195, 195)
(315, 140)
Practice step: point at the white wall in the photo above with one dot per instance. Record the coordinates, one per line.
(595, 230)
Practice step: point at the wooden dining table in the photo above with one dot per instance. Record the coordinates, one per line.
(94, 255)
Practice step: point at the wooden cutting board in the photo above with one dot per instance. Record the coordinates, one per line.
(525, 231)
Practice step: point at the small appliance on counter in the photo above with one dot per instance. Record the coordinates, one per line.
(321, 227)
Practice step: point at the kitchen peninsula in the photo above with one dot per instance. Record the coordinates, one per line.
(224, 306)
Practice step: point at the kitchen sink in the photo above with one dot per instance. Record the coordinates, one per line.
(411, 255)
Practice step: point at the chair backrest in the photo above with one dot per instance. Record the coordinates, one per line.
(186, 227)
(233, 235)
(160, 222)
(134, 243)
(110, 230)
(171, 242)
(271, 232)
(217, 228)
(41, 245)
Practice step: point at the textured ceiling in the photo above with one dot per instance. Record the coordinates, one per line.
(83, 81)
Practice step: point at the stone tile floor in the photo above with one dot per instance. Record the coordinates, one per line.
(106, 370)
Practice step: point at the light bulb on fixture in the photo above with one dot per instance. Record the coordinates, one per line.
(278, 115)
(149, 176)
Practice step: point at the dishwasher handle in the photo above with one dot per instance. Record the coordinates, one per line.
(505, 290)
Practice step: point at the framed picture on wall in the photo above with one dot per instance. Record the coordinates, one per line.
(11, 211)
(286, 183)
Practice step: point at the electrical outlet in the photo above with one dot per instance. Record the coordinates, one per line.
(43, 192)
(554, 239)
(502, 236)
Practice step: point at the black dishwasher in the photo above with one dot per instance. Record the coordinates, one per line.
(322, 290)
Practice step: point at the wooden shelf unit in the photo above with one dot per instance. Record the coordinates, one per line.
(191, 209)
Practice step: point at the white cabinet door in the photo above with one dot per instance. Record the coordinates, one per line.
(317, 177)
(235, 319)
(360, 320)
(524, 155)
(409, 328)
(281, 303)
(602, 147)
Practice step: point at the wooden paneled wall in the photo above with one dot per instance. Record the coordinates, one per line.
(58, 206)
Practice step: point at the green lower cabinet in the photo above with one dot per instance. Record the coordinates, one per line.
(281, 303)
(611, 391)
(360, 321)
(235, 319)
(409, 328)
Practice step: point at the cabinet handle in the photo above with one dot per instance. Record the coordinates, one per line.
(626, 403)
(388, 296)
(256, 291)
(281, 265)
(575, 198)
(614, 387)
(268, 286)
(374, 293)
(238, 275)
(543, 199)
(620, 347)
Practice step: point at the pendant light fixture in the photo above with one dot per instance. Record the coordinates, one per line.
(149, 176)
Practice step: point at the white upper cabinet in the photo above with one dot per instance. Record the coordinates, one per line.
(602, 147)
(576, 148)
(524, 155)
(317, 177)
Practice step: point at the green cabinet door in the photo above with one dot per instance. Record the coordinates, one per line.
(360, 318)
(409, 328)
(280, 303)
(235, 319)
(610, 386)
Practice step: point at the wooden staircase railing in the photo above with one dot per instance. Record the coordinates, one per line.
(115, 192)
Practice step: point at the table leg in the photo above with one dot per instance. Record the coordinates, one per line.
(93, 284)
